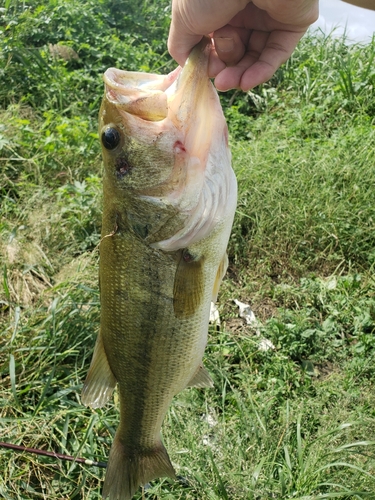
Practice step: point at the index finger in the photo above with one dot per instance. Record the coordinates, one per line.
(265, 54)
(278, 48)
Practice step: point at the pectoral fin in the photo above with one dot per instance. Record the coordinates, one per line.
(222, 269)
(188, 286)
(201, 378)
(100, 381)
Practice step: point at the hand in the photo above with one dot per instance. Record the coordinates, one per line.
(251, 39)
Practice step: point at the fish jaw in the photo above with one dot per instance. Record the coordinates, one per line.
(176, 123)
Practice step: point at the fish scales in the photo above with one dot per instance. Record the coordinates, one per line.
(169, 196)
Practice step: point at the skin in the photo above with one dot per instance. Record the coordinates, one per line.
(250, 39)
(365, 4)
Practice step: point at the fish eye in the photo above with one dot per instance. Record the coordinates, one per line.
(111, 138)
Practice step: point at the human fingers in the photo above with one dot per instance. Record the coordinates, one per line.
(192, 19)
(230, 43)
(230, 77)
(177, 45)
(269, 44)
(264, 55)
(295, 12)
(229, 48)
(279, 47)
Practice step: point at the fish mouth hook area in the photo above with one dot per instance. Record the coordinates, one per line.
(149, 96)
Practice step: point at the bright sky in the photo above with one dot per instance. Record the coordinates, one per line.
(334, 13)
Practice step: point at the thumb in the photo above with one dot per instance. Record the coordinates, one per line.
(192, 19)
(230, 44)
(180, 44)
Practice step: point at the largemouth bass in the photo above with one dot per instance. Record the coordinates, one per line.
(169, 202)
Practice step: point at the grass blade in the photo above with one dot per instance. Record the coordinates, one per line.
(12, 374)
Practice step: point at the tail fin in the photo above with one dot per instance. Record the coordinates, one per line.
(127, 470)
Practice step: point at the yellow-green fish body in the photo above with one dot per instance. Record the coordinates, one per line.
(169, 201)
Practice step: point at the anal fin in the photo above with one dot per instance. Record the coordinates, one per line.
(201, 378)
(100, 381)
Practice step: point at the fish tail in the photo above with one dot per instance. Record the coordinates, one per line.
(127, 470)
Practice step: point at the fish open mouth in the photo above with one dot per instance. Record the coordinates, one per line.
(140, 94)
(151, 97)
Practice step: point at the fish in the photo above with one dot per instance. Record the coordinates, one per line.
(169, 198)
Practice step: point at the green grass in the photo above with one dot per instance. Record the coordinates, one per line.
(294, 422)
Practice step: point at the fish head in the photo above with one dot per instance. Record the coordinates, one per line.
(165, 140)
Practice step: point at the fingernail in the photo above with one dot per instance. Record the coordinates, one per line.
(224, 44)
